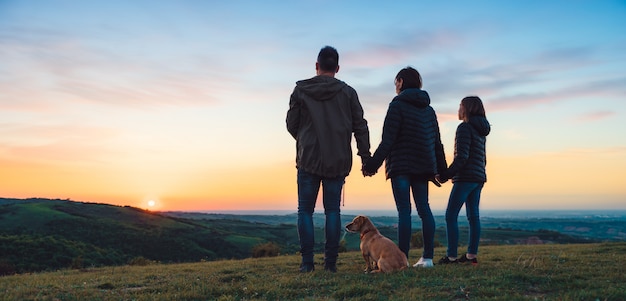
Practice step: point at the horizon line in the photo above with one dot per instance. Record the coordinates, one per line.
(391, 213)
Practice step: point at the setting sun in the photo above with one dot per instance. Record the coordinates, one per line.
(151, 203)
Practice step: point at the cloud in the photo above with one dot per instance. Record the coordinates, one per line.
(549, 76)
(55, 143)
(593, 116)
(400, 48)
(598, 152)
(455, 63)
(609, 89)
(43, 62)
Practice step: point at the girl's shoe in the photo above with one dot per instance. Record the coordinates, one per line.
(447, 260)
(464, 259)
(424, 263)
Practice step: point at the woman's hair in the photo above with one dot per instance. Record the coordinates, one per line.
(410, 78)
(473, 106)
(328, 59)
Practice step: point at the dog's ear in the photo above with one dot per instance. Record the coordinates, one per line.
(367, 223)
(362, 220)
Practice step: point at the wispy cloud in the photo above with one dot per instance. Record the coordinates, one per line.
(402, 47)
(540, 79)
(55, 143)
(593, 116)
(42, 61)
(611, 89)
(617, 151)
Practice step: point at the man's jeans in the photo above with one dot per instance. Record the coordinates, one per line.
(401, 187)
(308, 188)
(467, 193)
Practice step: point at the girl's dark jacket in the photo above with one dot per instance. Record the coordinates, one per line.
(470, 157)
(411, 142)
(323, 114)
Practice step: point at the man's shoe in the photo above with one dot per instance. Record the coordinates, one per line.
(307, 267)
(447, 260)
(424, 263)
(464, 259)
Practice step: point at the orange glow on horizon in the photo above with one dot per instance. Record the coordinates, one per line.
(513, 182)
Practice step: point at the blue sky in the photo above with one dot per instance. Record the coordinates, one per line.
(184, 101)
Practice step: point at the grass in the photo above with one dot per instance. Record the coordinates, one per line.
(521, 272)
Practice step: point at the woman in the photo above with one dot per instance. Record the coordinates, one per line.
(413, 154)
(468, 175)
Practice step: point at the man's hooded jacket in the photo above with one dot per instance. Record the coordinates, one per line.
(323, 114)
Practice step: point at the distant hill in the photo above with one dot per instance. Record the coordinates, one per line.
(49, 234)
(43, 234)
(580, 227)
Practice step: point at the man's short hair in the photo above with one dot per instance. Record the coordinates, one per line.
(328, 59)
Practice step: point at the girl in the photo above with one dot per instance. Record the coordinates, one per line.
(468, 175)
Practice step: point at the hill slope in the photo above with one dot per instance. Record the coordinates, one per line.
(40, 234)
(44, 234)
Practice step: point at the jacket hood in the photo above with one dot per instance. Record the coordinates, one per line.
(321, 87)
(415, 97)
(480, 124)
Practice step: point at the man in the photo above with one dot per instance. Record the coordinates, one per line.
(323, 114)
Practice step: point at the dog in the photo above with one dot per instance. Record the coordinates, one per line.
(380, 253)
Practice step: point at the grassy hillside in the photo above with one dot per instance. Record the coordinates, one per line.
(528, 272)
(42, 234)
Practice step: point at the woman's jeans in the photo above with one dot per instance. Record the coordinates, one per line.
(308, 187)
(467, 193)
(401, 187)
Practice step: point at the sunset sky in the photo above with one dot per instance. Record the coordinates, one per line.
(183, 103)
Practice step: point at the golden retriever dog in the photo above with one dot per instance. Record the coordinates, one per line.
(380, 253)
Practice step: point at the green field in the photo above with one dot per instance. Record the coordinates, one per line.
(519, 272)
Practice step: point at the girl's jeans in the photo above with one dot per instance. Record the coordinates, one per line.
(467, 193)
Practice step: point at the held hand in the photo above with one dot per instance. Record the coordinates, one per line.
(438, 178)
(433, 179)
(366, 173)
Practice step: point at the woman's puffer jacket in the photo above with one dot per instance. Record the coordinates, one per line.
(411, 141)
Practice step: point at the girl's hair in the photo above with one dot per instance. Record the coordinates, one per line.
(410, 78)
(473, 106)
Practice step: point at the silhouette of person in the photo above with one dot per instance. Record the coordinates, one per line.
(324, 112)
(468, 177)
(413, 153)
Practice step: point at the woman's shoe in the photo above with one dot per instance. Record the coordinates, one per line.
(424, 263)
(447, 260)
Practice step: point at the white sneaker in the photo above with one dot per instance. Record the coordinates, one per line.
(424, 263)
